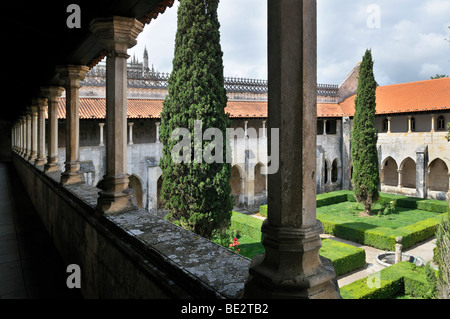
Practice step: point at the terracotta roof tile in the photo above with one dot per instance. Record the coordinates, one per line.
(418, 96)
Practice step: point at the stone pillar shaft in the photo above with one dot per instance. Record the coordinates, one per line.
(116, 35)
(41, 105)
(72, 75)
(34, 132)
(52, 93)
(291, 266)
(101, 125)
(389, 124)
(28, 134)
(157, 132)
(130, 133)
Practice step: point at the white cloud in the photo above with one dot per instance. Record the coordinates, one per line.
(410, 40)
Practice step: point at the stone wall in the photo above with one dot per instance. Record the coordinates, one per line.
(129, 255)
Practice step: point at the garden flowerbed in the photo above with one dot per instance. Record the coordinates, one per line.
(345, 258)
(414, 219)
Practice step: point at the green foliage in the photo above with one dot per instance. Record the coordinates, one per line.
(439, 76)
(443, 257)
(197, 194)
(401, 278)
(388, 209)
(365, 176)
(263, 210)
(345, 258)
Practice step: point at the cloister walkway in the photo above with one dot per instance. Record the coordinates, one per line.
(30, 266)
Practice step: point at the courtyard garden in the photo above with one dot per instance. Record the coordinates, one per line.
(393, 215)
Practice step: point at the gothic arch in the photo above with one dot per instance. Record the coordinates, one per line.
(160, 201)
(408, 171)
(135, 183)
(260, 179)
(390, 172)
(335, 170)
(237, 175)
(438, 176)
(326, 166)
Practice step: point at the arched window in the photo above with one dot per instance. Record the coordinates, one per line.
(441, 123)
(334, 171)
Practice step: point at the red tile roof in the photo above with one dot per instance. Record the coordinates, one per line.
(418, 96)
(429, 95)
(95, 108)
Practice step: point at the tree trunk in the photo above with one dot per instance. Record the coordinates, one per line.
(367, 208)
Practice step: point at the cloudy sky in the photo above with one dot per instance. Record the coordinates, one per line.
(407, 38)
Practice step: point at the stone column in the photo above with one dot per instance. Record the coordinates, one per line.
(389, 124)
(130, 133)
(245, 129)
(34, 132)
(409, 124)
(41, 104)
(400, 181)
(324, 127)
(72, 75)
(157, 132)
(291, 266)
(28, 134)
(432, 123)
(52, 94)
(382, 177)
(421, 171)
(329, 172)
(21, 135)
(264, 129)
(116, 35)
(101, 125)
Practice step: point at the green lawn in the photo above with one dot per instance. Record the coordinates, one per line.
(348, 212)
(345, 258)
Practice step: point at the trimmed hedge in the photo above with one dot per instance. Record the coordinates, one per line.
(247, 225)
(401, 278)
(345, 258)
(383, 237)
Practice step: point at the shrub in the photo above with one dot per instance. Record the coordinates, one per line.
(403, 277)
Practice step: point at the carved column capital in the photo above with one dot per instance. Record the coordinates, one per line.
(116, 34)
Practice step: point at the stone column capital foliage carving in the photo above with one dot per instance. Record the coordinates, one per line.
(71, 75)
(116, 34)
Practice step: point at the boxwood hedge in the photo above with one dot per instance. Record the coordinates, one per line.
(401, 278)
(345, 258)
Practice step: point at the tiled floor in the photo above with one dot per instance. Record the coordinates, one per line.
(30, 266)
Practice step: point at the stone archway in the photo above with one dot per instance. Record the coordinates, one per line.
(390, 172)
(408, 172)
(438, 176)
(260, 180)
(334, 171)
(236, 183)
(136, 185)
(160, 201)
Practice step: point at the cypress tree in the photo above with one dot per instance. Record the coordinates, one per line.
(197, 193)
(365, 177)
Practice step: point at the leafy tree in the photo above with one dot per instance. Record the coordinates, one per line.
(365, 176)
(197, 193)
(439, 76)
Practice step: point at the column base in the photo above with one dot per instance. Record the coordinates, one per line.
(40, 161)
(51, 165)
(291, 268)
(72, 174)
(32, 157)
(116, 196)
(71, 178)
